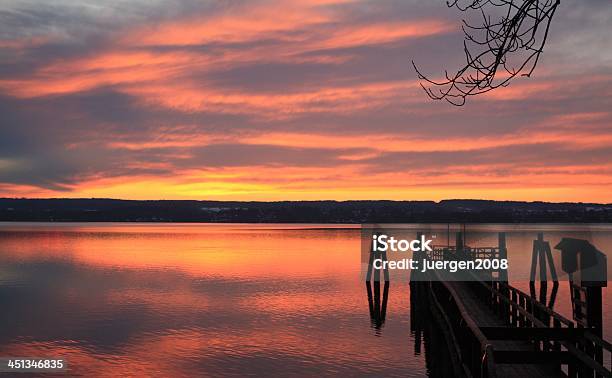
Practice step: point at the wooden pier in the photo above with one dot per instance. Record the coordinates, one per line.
(493, 329)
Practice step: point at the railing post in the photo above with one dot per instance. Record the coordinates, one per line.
(571, 367)
(523, 306)
(515, 310)
(556, 344)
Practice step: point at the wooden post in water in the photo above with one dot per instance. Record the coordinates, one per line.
(502, 277)
(551, 263)
(385, 270)
(542, 258)
(370, 262)
(418, 255)
(376, 255)
(587, 270)
(541, 254)
(459, 244)
(534, 263)
(503, 254)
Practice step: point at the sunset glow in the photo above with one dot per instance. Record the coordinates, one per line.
(291, 100)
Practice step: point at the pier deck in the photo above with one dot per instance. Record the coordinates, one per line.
(485, 319)
(500, 331)
(491, 329)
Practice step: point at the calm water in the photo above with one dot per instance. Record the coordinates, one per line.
(204, 300)
(197, 300)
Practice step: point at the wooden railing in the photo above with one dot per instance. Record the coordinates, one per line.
(466, 338)
(556, 339)
(549, 331)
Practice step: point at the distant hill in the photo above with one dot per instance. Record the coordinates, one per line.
(111, 210)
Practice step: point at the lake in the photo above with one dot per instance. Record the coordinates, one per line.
(207, 300)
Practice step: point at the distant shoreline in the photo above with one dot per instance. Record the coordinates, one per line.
(306, 212)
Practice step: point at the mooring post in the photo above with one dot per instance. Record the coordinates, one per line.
(534, 262)
(419, 255)
(551, 263)
(376, 255)
(377, 271)
(502, 276)
(459, 243)
(587, 270)
(370, 261)
(503, 254)
(542, 258)
(386, 270)
(542, 255)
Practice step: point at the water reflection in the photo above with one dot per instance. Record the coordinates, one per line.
(378, 310)
(423, 326)
(221, 302)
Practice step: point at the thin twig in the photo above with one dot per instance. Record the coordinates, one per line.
(492, 47)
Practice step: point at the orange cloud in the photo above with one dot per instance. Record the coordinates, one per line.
(188, 97)
(353, 181)
(398, 142)
(384, 32)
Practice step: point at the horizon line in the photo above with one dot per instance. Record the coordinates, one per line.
(320, 200)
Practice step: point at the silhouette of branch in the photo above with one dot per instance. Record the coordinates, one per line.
(496, 50)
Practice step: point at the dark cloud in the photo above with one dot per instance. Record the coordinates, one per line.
(229, 155)
(265, 77)
(56, 142)
(514, 157)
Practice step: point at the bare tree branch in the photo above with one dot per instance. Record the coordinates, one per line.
(496, 50)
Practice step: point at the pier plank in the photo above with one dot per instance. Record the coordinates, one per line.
(482, 315)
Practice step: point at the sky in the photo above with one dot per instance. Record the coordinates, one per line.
(292, 100)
